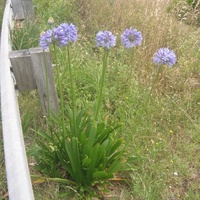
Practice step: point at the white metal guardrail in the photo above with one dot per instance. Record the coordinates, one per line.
(18, 177)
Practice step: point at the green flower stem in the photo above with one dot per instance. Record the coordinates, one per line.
(47, 83)
(154, 82)
(132, 63)
(71, 87)
(132, 68)
(60, 91)
(105, 58)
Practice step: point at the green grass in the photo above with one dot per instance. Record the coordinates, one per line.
(2, 3)
(165, 135)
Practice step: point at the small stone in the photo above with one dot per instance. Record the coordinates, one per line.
(175, 173)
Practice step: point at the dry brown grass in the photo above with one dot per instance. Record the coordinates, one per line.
(159, 29)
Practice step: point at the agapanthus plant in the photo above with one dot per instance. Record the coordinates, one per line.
(62, 35)
(131, 38)
(65, 34)
(46, 39)
(164, 56)
(106, 40)
(78, 149)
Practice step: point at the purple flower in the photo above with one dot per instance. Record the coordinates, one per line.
(65, 33)
(59, 35)
(46, 39)
(165, 56)
(105, 39)
(70, 31)
(131, 38)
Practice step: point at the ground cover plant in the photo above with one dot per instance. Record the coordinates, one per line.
(161, 125)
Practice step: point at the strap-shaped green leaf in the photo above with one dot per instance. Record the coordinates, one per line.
(76, 159)
(45, 136)
(71, 158)
(115, 145)
(116, 166)
(102, 175)
(86, 162)
(93, 156)
(63, 162)
(79, 119)
(91, 139)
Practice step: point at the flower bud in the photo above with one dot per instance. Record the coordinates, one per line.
(50, 21)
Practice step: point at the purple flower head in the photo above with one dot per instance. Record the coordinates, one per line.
(131, 38)
(70, 31)
(59, 35)
(65, 33)
(46, 39)
(165, 56)
(105, 39)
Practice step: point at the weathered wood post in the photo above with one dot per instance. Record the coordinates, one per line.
(22, 9)
(22, 68)
(32, 69)
(43, 72)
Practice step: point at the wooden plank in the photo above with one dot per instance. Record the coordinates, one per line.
(22, 68)
(18, 10)
(42, 67)
(17, 171)
(28, 9)
(22, 9)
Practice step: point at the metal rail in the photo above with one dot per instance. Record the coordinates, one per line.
(17, 171)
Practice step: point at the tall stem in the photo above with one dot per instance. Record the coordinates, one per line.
(60, 90)
(152, 87)
(71, 88)
(105, 58)
(47, 83)
(132, 63)
(132, 68)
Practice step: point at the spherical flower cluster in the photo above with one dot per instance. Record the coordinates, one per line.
(46, 39)
(165, 56)
(105, 39)
(70, 31)
(62, 35)
(131, 38)
(65, 33)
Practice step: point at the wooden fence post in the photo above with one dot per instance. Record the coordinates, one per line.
(22, 68)
(22, 9)
(32, 69)
(42, 68)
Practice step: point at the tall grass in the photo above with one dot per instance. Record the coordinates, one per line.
(165, 136)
